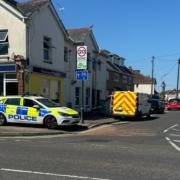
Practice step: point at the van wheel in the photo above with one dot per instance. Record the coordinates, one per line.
(138, 116)
(50, 122)
(148, 116)
(2, 119)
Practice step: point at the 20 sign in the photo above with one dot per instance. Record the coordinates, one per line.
(81, 57)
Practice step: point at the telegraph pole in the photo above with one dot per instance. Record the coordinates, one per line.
(177, 89)
(152, 76)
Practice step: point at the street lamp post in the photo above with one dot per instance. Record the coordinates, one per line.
(163, 85)
(177, 89)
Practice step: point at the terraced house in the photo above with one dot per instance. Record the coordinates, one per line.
(38, 56)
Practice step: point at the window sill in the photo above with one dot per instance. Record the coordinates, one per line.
(48, 62)
(4, 56)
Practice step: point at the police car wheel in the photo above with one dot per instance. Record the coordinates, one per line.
(50, 122)
(2, 119)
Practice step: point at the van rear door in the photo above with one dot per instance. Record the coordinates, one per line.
(124, 103)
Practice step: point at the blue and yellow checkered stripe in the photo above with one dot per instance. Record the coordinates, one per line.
(26, 111)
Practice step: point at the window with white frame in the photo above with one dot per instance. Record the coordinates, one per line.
(4, 44)
(77, 96)
(47, 49)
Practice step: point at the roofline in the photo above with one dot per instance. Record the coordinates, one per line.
(20, 16)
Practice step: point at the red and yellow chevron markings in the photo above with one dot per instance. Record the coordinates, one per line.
(124, 103)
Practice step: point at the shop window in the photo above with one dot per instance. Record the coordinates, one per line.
(11, 76)
(45, 84)
(77, 96)
(55, 90)
(13, 101)
(4, 42)
(47, 49)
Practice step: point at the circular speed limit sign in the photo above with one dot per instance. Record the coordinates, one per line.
(81, 51)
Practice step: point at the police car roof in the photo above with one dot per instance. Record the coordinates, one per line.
(19, 96)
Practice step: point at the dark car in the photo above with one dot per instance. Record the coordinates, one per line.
(157, 106)
(173, 104)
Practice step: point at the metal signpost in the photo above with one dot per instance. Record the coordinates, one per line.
(82, 73)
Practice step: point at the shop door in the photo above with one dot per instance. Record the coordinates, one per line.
(11, 88)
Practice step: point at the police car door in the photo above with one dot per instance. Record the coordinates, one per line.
(29, 112)
(12, 110)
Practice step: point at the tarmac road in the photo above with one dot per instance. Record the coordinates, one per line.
(137, 150)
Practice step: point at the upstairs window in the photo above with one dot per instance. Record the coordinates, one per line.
(66, 54)
(3, 42)
(47, 49)
(89, 59)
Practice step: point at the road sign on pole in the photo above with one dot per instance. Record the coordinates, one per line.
(82, 75)
(81, 57)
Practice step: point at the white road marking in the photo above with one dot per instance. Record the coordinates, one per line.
(174, 134)
(176, 140)
(50, 174)
(166, 130)
(173, 144)
(174, 129)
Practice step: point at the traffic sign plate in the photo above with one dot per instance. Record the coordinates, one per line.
(81, 75)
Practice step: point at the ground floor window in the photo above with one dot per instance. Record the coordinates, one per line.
(1, 85)
(87, 96)
(51, 89)
(98, 97)
(8, 84)
(77, 96)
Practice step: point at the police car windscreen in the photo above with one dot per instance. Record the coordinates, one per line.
(48, 102)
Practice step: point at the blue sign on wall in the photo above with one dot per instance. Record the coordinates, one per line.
(81, 75)
(7, 68)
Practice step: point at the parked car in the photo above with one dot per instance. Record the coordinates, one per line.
(173, 104)
(157, 106)
(35, 110)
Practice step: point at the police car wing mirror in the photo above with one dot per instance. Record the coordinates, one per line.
(36, 106)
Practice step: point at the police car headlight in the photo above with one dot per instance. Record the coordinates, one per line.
(63, 114)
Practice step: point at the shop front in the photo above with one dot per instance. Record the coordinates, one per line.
(47, 83)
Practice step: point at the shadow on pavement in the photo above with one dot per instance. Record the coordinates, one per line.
(71, 128)
(36, 126)
(136, 120)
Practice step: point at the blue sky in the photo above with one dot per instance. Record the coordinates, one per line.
(134, 29)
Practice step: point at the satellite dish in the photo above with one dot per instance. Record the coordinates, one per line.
(61, 8)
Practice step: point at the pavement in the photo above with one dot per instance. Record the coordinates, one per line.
(13, 130)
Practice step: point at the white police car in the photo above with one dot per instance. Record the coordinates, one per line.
(35, 110)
